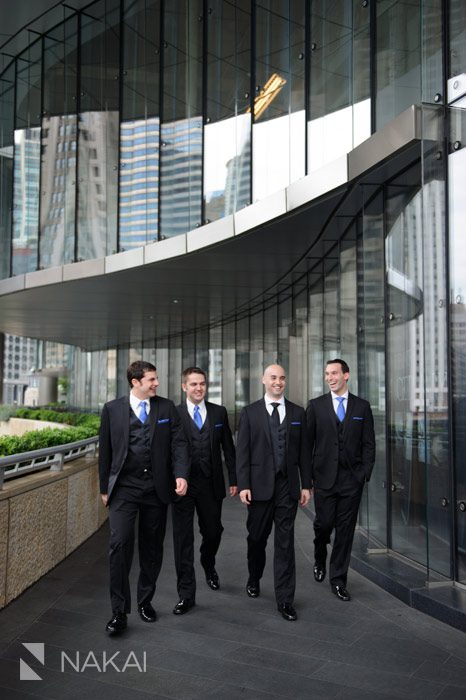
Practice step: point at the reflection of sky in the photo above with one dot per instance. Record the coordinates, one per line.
(457, 171)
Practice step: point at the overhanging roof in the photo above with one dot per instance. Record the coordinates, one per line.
(208, 274)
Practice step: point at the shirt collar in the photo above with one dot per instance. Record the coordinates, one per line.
(134, 402)
(269, 400)
(191, 406)
(340, 396)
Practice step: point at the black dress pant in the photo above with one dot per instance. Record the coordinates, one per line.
(125, 504)
(280, 511)
(337, 509)
(200, 498)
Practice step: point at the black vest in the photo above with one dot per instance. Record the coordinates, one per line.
(278, 437)
(137, 468)
(201, 460)
(341, 444)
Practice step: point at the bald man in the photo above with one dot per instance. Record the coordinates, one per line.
(273, 473)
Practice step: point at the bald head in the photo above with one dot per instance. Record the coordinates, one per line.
(274, 381)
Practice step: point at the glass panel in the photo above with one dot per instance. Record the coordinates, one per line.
(229, 371)
(298, 357)
(98, 131)
(242, 364)
(331, 311)
(227, 132)
(7, 96)
(181, 130)
(371, 312)
(256, 356)
(316, 331)
(285, 311)
(339, 108)
(435, 347)
(348, 306)
(278, 138)
(456, 25)
(432, 49)
(26, 200)
(398, 59)
(174, 369)
(202, 348)
(405, 366)
(215, 365)
(457, 219)
(140, 127)
(270, 333)
(189, 352)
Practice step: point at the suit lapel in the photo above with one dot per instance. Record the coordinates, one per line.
(264, 419)
(153, 416)
(350, 406)
(210, 415)
(186, 420)
(124, 417)
(331, 410)
(288, 418)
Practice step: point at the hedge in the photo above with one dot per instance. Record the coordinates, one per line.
(85, 426)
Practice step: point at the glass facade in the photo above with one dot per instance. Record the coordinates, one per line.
(133, 122)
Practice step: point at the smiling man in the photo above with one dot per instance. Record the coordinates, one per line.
(273, 470)
(143, 465)
(342, 443)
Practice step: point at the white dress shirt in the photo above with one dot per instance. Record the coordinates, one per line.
(281, 408)
(336, 402)
(202, 409)
(135, 402)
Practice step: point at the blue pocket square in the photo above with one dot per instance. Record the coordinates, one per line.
(163, 420)
(295, 422)
(358, 418)
(218, 425)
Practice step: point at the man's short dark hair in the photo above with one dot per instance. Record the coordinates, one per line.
(137, 370)
(338, 361)
(192, 370)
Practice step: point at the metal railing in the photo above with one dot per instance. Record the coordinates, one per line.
(52, 458)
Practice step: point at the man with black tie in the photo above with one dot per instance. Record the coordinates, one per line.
(208, 433)
(143, 463)
(273, 471)
(342, 442)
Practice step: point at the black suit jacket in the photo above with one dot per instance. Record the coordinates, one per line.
(255, 468)
(220, 438)
(358, 438)
(169, 447)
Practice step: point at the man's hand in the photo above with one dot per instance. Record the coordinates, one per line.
(245, 496)
(181, 487)
(233, 490)
(104, 497)
(305, 497)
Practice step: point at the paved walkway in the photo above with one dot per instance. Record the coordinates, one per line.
(229, 646)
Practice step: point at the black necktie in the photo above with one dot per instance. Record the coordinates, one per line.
(275, 416)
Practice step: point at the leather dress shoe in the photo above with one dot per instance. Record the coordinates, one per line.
(212, 580)
(287, 612)
(319, 572)
(183, 606)
(341, 592)
(147, 612)
(117, 624)
(253, 589)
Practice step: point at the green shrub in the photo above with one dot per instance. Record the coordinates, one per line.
(38, 439)
(7, 411)
(82, 426)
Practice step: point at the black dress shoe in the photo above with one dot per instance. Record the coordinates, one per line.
(287, 611)
(319, 572)
(212, 580)
(253, 589)
(341, 592)
(147, 612)
(183, 606)
(117, 624)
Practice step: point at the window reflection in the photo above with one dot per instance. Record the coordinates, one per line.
(26, 200)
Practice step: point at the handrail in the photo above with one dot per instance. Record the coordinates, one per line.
(48, 457)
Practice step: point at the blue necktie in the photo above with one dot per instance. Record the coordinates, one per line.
(197, 417)
(341, 408)
(142, 412)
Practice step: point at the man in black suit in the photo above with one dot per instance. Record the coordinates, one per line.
(208, 433)
(273, 471)
(143, 463)
(342, 442)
